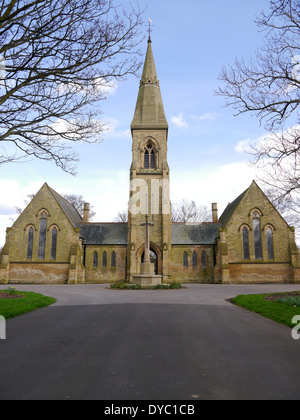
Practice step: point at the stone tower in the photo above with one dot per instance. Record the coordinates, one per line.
(149, 175)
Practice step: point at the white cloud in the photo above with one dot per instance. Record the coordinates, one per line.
(97, 84)
(107, 88)
(110, 195)
(243, 146)
(111, 129)
(212, 185)
(13, 195)
(208, 116)
(179, 121)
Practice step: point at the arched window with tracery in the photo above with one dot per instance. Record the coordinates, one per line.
(270, 243)
(149, 156)
(257, 235)
(185, 260)
(203, 259)
(42, 235)
(95, 259)
(246, 243)
(30, 243)
(104, 259)
(113, 259)
(53, 243)
(194, 259)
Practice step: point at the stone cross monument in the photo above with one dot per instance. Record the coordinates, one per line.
(147, 267)
(147, 276)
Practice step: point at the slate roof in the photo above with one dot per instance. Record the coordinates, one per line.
(70, 211)
(230, 209)
(182, 234)
(104, 233)
(195, 234)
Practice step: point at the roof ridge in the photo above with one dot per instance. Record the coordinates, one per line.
(58, 197)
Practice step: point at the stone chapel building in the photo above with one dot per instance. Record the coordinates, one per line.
(51, 243)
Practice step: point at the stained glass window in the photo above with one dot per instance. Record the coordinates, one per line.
(149, 156)
(146, 160)
(194, 259)
(42, 237)
(104, 259)
(152, 160)
(54, 243)
(185, 260)
(270, 243)
(113, 259)
(95, 259)
(246, 244)
(257, 236)
(30, 243)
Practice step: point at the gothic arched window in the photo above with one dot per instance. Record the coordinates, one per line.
(203, 259)
(95, 259)
(42, 236)
(113, 259)
(104, 259)
(185, 260)
(246, 244)
(149, 156)
(53, 243)
(257, 235)
(194, 259)
(270, 243)
(30, 243)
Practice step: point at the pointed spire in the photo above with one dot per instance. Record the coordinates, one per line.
(149, 111)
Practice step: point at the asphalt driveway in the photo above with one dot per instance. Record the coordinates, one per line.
(188, 344)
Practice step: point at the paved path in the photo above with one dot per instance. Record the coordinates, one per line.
(188, 344)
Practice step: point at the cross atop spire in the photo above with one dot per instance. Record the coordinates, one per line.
(149, 111)
(149, 29)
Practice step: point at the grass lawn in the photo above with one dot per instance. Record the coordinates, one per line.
(280, 307)
(14, 305)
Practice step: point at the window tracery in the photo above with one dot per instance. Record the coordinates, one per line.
(53, 243)
(185, 260)
(95, 259)
(257, 235)
(149, 156)
(42, 235)
(270, 243)
(246, 250)
(30, 243)
(104, 259)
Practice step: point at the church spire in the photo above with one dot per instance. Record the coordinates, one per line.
(149, 111)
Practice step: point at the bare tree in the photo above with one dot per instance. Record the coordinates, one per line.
(187, 211)
(184, 211)
(77, 201)
(57, 59)
(288, 207)
(268, 87)
(122, 217)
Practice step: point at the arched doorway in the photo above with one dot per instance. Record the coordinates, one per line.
(153, 259)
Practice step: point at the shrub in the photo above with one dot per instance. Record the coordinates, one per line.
(173, 285)
(290, 300)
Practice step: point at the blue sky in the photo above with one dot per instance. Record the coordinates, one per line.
(191, 41)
